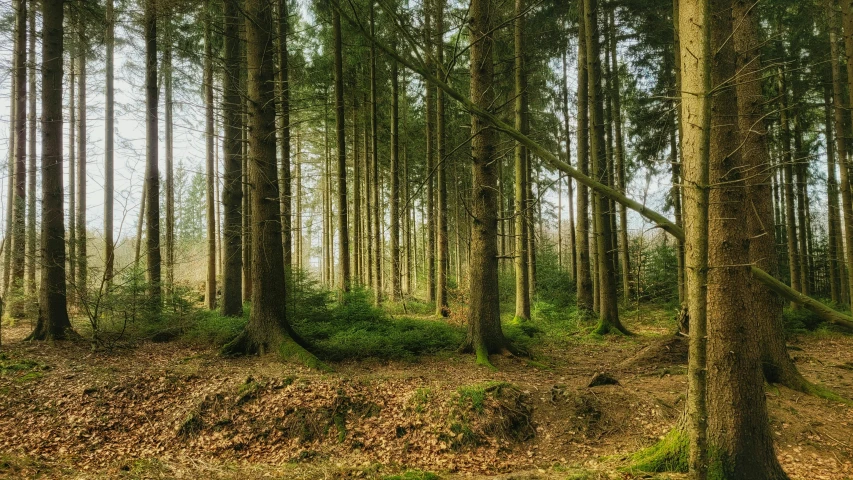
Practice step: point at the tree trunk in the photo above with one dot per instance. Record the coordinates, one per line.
(484, 326)
(738, 429)
(358, 258)
(443, 258)
(788, 184)
(169, 237)
(53, 322)
(19, 207)
(522, 278)
(430, 155)
(766, 306)
(374, 169)
(109, 146)
(232, 187)
(268, 329)
(619, 159)
(72, 163)
(573, 261)
(82, 263)
(584, 278)
(608, 313)
(396, 279)
(32, 253)
(843, 161)
(284, 140)
(152, 174)
(210, 292)
(340, 130)
(694, 82)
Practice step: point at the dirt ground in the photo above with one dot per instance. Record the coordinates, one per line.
(166, 410)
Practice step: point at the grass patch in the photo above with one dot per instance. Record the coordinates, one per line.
(412, 475)
(21, 370)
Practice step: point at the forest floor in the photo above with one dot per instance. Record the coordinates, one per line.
(170, 410)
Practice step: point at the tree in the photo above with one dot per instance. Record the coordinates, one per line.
(109, 145)
(232, 189)
(484, 326)
(53, 322)
(31, 165)
(340, 131)
(268, 329)
(19, 207)
(396, 278)
(442, 247)
(152, 173)
(210, 291)
(608, 315)
(82, 158)
(584, 278)
(522, 278)
(738, 428)
(284, 141)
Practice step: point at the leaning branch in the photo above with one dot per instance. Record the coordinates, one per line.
(823, 311)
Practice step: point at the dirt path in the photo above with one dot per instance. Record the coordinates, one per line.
(173, 411)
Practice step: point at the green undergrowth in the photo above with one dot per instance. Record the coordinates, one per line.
(21, 370)
(670, 454)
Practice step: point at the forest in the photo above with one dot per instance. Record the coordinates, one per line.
(426, 239)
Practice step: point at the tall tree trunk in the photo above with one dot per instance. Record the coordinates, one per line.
(442, 254)
(210, 292)
(109, 146)
(608, 313)
(284, 140)
(82, 263)
(232, 187)
(676, 155)
(788, 183)
(430, 155)
(801, 171)
(374, 168)
(834, 227)
(522, 206)
(573, 260)
(169, 237)
(32, 253)
(843, 161)
(484, 326)
(396, 279)
(738, 428)
(268, 329)
(340, 130)
(152, 174)
(247, 192)
(584, 278)
(53, 322)
(619, 159)
(766, 306)
(72, 161)
(694, 83)
(840, 149)
(300, 256)
(19, 207)
(358, 258)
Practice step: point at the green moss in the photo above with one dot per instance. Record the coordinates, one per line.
(668, 455)
(421, 398)
(291, 351)
(23, 370)
(474, 396)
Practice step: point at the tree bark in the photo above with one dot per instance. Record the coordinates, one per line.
(169, 236)
(608, 314)
(738, 426)
(19, 206)
(53, 322)
(82, 157)
(788, 184)
(340, 130)
(484, 326)
(109, 146)
(522, 278)
(374, 171)
(430, 156)
(152, 174)
(232, 187)
(396, 279)
(284, 141)
(268, 329)
(442, 254)
(843, 161)
(210, 292)
(32, 253)
(584, 277)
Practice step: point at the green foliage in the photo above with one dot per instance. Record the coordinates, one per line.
(799, 320)
(474, 396)
(554, 285)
